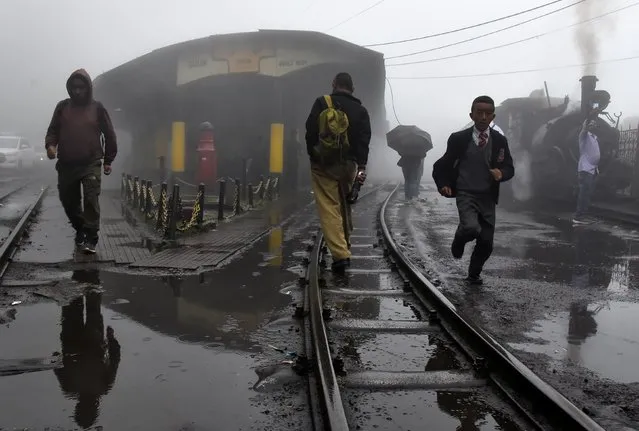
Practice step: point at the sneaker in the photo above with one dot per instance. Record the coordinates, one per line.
(80, 239)
(89, 247)
(474, 280)
(457, 249)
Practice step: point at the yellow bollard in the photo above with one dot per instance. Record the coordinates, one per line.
(277, 148)
(178, 146)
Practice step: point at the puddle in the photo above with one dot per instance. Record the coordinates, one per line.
(189, 351)
(376, 308)
(596, 336)
(153, 371)
(380, 352)
(441, 410)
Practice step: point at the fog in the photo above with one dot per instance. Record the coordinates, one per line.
(41, 42)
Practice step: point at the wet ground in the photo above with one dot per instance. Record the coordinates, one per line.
(103, 348)
(400, 371)
(563, 299)
(100, 348)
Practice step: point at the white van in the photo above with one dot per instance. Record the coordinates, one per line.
(16, 152)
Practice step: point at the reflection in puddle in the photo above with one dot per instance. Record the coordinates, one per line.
(597, 337)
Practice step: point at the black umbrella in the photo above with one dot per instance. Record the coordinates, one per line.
(409, 141)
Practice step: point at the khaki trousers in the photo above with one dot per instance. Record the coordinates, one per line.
(330, 187)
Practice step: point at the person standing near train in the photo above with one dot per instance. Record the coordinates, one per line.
(476, 161)
(338, 134)
(587, 169)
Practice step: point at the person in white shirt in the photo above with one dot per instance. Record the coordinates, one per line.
(587, 169)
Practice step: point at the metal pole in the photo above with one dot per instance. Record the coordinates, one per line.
(143, 196)
(220, 202)
(250, 195)
(128, 190)
(547, 95)
(175, 198)
(123, 187)
(200, 216)
(148, 205)
(244, 179)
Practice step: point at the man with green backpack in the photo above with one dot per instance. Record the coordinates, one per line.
(338, 133)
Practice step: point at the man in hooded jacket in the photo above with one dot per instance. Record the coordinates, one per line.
(75, 135)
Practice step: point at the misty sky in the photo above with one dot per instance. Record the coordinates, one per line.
(42, 41)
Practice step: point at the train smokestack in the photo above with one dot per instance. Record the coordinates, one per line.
(588, 85)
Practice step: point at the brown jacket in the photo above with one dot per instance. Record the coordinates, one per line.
(77, 127)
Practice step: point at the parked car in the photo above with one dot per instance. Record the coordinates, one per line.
(16, 152)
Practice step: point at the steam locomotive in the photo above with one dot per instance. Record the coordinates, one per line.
(543, 133)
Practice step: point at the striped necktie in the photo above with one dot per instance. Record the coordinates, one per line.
(483, 139)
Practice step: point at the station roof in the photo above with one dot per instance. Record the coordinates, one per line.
(265, 52)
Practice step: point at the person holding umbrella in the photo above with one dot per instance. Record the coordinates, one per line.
(476, 161)
(412, 169)
(412, 144)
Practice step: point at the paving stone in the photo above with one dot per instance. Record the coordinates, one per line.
(51, 237)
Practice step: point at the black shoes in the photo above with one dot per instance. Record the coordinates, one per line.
(339, 266)
(83, 243)
(474, 280)
(457, 249)
(80, 240)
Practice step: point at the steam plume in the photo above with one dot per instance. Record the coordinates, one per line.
(588, 36)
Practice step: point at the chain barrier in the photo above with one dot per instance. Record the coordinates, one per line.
(195, 214)
(164, 225)
(139, 195)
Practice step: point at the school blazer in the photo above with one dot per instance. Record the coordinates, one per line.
(446, 169)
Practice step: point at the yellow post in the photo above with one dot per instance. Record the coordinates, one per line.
(277, 148)
(178, 146)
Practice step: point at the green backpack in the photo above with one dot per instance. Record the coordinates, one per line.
(333, 138)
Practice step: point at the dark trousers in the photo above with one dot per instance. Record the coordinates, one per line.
(412, 178)
(476, 222)
(586, 187)
(73, 183)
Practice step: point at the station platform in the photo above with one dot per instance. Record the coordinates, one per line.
(50, 240)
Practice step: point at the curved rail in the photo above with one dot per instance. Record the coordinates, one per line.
(333, 414)
(330, 398)
(546, 401)
(10, 245)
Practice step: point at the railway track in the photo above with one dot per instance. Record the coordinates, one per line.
(389, 351)
(6, 194)
(9, 246)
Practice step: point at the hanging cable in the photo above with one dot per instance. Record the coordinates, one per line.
(356, 15)
(516, 72)
(472, 39)
(515, 42)
(457, 30)
(390, 87)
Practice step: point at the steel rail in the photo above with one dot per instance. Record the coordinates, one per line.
(10, 244)
(333, 414)
(15, 190)
(496, 361)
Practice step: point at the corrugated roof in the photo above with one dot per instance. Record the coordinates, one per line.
(160, 60)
